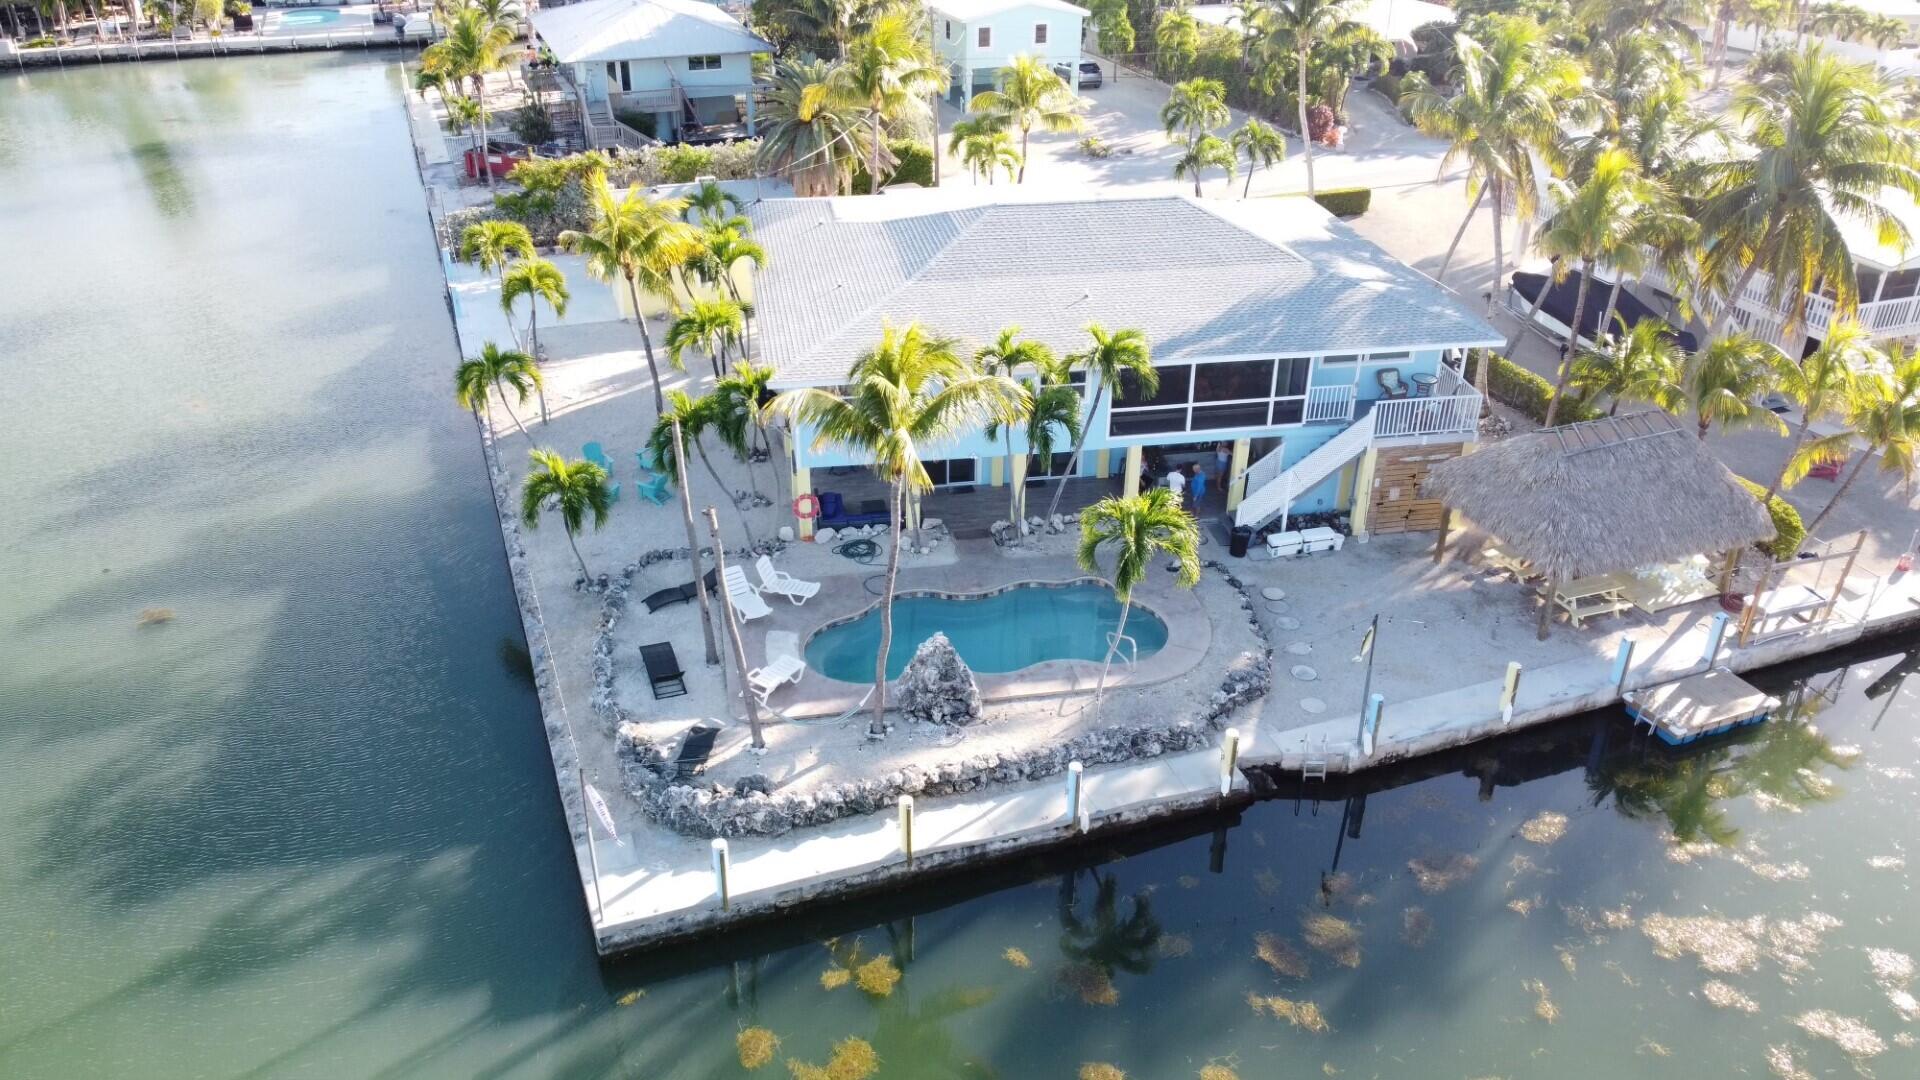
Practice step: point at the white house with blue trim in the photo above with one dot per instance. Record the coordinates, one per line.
(1275, 328)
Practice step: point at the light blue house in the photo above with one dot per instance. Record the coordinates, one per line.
(1284, 341)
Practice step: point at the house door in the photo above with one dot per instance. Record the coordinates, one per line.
(596, 82)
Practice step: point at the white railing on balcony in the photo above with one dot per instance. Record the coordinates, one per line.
(1325, 403)
(1456, 414)
(1758, 314)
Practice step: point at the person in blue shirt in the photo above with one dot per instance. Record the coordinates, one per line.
(1197, 486)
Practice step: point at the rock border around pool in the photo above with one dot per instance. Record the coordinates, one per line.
(750, 808)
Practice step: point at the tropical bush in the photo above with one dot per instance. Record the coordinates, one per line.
(1095, 147)
(914, 165)
(1515, 386)
(42, 42)
(1788, 531)
(681, 164)
(531, 124)
(1345, 202)
(552, 193)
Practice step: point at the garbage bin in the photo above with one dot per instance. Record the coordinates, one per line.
(1242, 536)
(1423, 385)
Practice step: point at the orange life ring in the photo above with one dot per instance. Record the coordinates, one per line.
(807, 507)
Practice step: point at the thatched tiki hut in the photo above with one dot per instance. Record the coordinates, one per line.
(1602, 497)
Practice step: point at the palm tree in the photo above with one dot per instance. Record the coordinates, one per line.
(1824, 384)
(1505, 113)
(1261, 145)
(1721, 385)
(1823, 142)
(498, 369)
(1031, 95)
(712, 326)
(723, 247)
(986, 152)
(1208, 151)
(1592, 225)
(535, 280)
(740, 413)
(1111, 356)
(491, 245)
(712, 206)
(573, 488)
(807, 133)
(1015, 357)
(1302, 24)
(1886, 416)
(1109, 943)
(474, 46)
(1137, 529)
(891, 72)
(638, 238)
(834, 21)
(1176, 40)
(689, 417)
(1620, 365)
(465, 115)
(1196, 106)
(910, 390)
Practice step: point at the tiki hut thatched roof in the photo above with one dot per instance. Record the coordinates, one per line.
(1602, 497)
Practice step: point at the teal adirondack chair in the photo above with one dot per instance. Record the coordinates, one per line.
(592, 452)
(655, 488)
(644, 456)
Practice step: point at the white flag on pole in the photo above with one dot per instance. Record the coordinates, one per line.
(602, 811)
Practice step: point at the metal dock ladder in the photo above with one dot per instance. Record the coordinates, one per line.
(1315, 766)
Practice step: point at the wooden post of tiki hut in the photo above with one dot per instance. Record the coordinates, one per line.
(1606, 496)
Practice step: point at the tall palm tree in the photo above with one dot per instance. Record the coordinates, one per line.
(891, 71)
(1723, 383)
(1592, 225)
(574, 488)
(1176, 40)
(491, 245)
(1031, 95)
(1621, 365)
(1506, 112)
(836, 22)
(497, 369)
(534, 280)
(1196, 107)
(1823, 141)
(1016, 357)
(712, 206)
(723, 247)
(1886, 416)
(1111, 356)
(1136, 529)
(640, 239)
(1205, 152)
(987, 151)
(741, 418)
(474, 46)
(909, 391)
(464, 114)
(1825, 384)
(1261, 145)
(1302, 24)
(807, 133)
(690, 418)
(712, 326)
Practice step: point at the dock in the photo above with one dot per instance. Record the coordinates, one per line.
(1699, 706)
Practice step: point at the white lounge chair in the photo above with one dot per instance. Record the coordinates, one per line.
(741, 594)
(779, 671)
(774, 580)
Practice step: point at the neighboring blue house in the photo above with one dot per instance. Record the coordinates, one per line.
(1275, 328)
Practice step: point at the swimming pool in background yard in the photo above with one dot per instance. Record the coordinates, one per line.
(995, 633)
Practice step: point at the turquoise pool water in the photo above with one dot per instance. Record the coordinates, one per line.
(994, 634)
(310, 17)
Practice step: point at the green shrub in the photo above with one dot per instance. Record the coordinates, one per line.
(914, 165)
(1389, 87)
(1345, 202)
(1788, 531)
(38, 43)
(531, 124)
(1515, 386)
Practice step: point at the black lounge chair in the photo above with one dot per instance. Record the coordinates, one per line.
(694, 750)
(680, 594)
(663, 669)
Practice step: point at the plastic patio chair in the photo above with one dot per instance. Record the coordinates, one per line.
(645, 457)
(774, 580)
(741, 594)
(656, 489)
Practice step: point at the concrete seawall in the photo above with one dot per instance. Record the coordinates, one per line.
(237, 44)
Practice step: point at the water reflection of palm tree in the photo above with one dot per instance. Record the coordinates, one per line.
(1785, 763)
(1108, 942)
(913, 1040)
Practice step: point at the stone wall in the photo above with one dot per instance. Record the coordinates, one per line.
(749, 809)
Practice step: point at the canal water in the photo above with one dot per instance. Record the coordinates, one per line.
(274, 799)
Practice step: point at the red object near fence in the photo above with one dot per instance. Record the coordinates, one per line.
(500, 164)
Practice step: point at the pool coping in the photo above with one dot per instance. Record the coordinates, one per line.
(1189, 636)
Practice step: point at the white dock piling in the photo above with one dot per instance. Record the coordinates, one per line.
(1509, 691)
(722, 871)
(906, 827)
(1621, 661)
(1074, 771)
(1229, 756)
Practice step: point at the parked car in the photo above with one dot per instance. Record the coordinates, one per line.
(1090, 76)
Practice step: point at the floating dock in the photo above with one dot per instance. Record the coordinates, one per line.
(1699, 705)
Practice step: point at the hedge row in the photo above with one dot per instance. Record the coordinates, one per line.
(1513, 385)
(1788, 530)
(914, 166)
(1345, 202)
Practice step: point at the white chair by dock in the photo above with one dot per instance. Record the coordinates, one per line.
(775, 580)
(742, 595)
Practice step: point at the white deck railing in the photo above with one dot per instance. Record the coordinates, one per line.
(1325, 403)
(1276, 496)
(1456, 414)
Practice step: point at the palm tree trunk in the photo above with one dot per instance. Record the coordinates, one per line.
(1740, 284)
(507, 405)
(873, 171)
(1196, 183)
(1799, 437)
(533, 342)
(1613, 301)
(646, 342)
(1073, 463)
(721, 485)
(1533, 308)
(1021, 176)
(584, 572)
(1478, 198)
(1251, 169)
(486, 169)
(693, 549)
(1852, 475)
(1099, 688)
(1499, 250)
(879, 725)
(1573, 335)
(1013, 489)
(1306, 136)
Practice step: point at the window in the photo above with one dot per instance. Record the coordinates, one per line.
(1341, 358)
(1146, 421)
(949, 26)
(1900, 285)
(985, 38)
(950, 472)
(1173, 389)
(1388, 357)
(1239, 380)
(703, 63)
(1039, 33)
(620, 75)
(1037, 467)
(1214, 397)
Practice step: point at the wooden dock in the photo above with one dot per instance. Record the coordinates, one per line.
(1699, 706)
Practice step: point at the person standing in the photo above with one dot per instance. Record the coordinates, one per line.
(1198, 484)
(1177, 483)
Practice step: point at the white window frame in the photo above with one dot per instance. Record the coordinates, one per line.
(707, 62)
(1193, 367)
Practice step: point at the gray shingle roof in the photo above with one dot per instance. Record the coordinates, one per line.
(1263, 276)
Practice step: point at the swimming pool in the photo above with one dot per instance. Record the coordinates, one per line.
(995, 633)
(309, 17)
